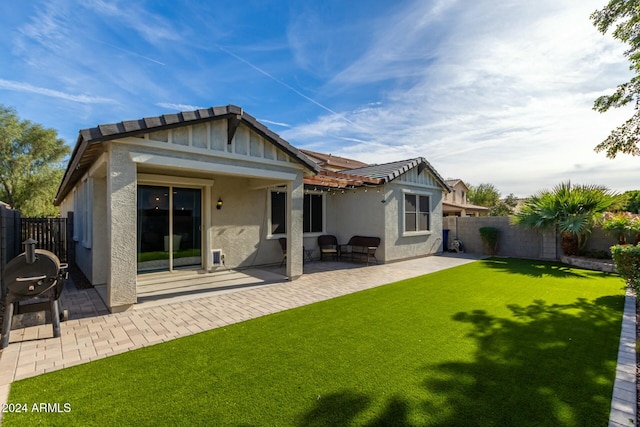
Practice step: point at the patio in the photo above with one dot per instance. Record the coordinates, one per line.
(92, 333)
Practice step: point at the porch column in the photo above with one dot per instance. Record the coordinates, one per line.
(295, 201)
(121, 229)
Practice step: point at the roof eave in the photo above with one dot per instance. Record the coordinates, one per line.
(132, 128)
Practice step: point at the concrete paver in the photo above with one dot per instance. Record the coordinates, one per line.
(93, 333)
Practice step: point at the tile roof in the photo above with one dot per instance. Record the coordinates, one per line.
(331, 160)
(88, 146)
(390, 171)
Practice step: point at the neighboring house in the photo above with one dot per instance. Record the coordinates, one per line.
(332, 163)
(178, 191)
(455, 203)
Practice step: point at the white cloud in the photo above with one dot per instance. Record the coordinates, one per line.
(179, 107)
(504, 96)
(26, 87)
(271, 122)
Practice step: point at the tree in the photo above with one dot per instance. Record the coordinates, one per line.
(483, 195)
(30, 164)
(631, 201)
(625, 16)
(572, 210)
(504, 207)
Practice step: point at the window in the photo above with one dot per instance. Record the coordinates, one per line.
(278, 212)
(87, 210)
(312, 213)
(416, 213)
(77, 219)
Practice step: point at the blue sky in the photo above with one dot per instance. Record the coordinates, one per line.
(487, 91)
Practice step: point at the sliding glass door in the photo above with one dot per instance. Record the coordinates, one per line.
(169, 228)
(187, 221)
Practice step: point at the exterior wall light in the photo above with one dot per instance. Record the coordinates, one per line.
(219, 204)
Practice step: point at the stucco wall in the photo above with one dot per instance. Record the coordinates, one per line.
(357, 213)
(401, 245)
(240, 227)
(121, 228)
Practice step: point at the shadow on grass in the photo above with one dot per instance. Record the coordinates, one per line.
(547, 365)
(537, 268)
(551, 365)
(340, 409)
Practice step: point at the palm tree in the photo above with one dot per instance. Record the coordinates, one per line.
(573, 210)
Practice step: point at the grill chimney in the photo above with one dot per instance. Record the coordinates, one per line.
(30, 250)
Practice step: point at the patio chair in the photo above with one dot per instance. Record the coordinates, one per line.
(283, 246)
(328, 246)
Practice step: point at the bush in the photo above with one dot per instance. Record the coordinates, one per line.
(489, 237)
(619, 225)
(627, 260)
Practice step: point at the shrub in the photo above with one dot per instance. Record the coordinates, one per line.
(618, 224)
(489, 237)
(627, 260)
(634, 228)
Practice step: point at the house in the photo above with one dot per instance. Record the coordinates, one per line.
(455, 203)
(186, 190)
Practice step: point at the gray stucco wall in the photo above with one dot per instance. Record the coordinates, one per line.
(241, 226)
(121, 228)
(357, 213)
(407, 245)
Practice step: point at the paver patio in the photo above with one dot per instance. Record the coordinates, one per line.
(93, 333)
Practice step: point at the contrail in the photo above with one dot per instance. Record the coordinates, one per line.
(128, 51)
(294, 90)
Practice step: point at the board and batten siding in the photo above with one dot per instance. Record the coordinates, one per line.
(212, 136)
(422, 179)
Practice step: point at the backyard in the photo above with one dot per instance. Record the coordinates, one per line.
(494, 342)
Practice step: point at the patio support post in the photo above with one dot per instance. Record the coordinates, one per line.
(121, 229)
(295, 199)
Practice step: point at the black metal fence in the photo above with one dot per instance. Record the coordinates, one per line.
(51, 234)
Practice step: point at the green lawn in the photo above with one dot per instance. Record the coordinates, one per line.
(500, 342)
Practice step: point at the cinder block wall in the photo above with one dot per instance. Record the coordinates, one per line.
(516, 241)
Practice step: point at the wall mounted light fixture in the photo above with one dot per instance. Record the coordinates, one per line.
(219, 204)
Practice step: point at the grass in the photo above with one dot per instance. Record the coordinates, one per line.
(495, 342)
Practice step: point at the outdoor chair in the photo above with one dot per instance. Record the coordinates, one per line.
(328, 246)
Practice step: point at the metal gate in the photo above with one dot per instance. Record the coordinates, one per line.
(50, 234)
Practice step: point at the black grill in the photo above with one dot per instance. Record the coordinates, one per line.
(32, 275)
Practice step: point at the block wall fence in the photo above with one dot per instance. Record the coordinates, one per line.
(515, 241)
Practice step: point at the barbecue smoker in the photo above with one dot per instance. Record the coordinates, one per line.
(34, 274)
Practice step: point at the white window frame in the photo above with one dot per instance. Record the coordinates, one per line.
(307, 234)
(418, 232)
(87, 213)
(324, 215)
(269, 210)
(76, 215)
